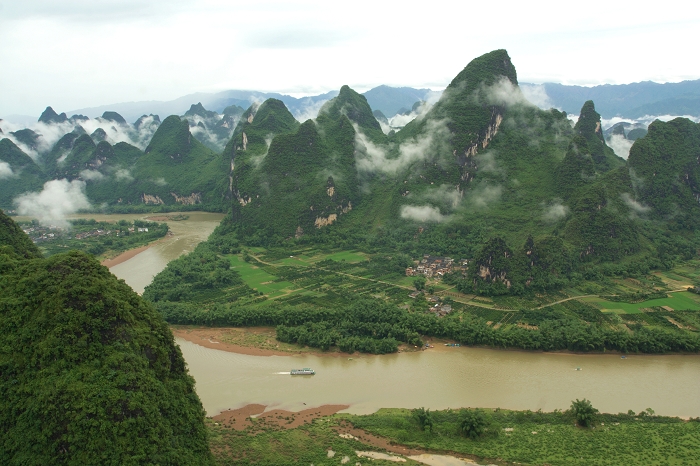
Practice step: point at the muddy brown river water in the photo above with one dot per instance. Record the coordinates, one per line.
(438, 378)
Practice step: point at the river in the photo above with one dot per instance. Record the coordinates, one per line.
(448, 377)
(438, 378)
(139, 271)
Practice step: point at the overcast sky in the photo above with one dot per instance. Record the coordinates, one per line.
(79, 53)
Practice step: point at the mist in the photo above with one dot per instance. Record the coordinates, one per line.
(555, 212)
(57, 200)
(374, 158)
(536, 94)
(425, 213)
(6, 171)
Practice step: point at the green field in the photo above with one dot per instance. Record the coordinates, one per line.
(681, 301)
(256, 277)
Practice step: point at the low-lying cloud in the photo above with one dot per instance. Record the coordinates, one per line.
(123, 175)
(445, 194)
(502, 93)
(424, 213)
(374, 158)
(536, 94)
(636, 208)
(6, 171)
(620, 145)
(91, 175)
(55, 202)
(555, 212)
(485, 195)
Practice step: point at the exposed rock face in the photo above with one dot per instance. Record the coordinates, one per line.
(324, 221)
(149, 199)
(192, 199)
(466, 161)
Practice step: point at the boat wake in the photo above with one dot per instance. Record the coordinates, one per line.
(283, 373)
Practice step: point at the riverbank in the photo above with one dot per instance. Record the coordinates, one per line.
(252, 435)
(322, 435)
(242, 418)
(260, 341)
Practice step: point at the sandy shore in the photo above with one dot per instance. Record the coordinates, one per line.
(239, 419)
(220, 338)
(125, 256)
(212, 338)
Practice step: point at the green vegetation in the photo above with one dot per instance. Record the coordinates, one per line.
(90, 373)
(504, 437)
(583, 412)
(545, 438)
(365, 305)
(24, 174)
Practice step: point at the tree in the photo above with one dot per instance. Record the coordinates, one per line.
(423, 417)
(583, 411)
(419, 283)
(473, 423)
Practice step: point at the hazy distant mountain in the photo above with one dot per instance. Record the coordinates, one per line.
(629, 100)
(385, 98)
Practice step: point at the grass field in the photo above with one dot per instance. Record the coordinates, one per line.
(257, 278)
(549, 438)
(677, 301)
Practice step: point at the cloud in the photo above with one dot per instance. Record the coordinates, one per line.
(309, 38)
(399, 121)
(91, 175)
(58, 199)
(374, 158)
(620, 145)
(123, 175)
(636, 208)
(309, 110)
(6, 171)
(425, 213)
(444, 194)
(485, 195)
(159, 181)
(502, 93)
(486, 162)
(555, 212)
(536, 94)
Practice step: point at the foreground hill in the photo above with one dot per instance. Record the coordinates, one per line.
(90, 372)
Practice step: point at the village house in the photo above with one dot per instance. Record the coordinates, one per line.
(431, 267)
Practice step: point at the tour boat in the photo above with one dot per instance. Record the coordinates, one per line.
(304, 371)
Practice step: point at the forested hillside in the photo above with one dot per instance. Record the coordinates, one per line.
(90, 373)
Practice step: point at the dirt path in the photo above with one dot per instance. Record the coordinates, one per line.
(240, 419)
(567, 299)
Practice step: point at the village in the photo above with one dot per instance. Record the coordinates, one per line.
(435, 268)
(39, 234)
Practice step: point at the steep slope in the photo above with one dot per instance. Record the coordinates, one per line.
(90, 372)
(14, 242)
(18, 173)
(666, 166)
(588, 125)
(177, 169)
(307, 180)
